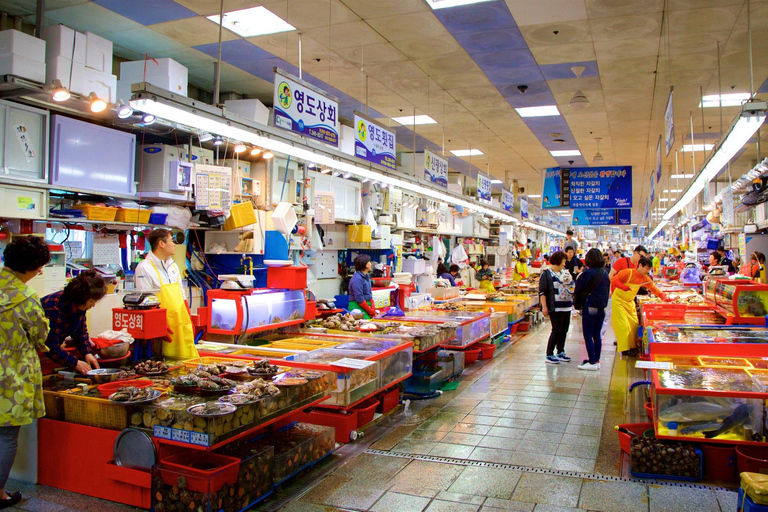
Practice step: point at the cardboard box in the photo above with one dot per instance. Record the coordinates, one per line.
(23, 67)
(103, 84)
(165, 73)
(98, 53)
(252, 110)
(71, 75)
(23, 45)
(62, 41)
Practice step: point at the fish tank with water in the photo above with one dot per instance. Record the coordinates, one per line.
(723, 403)
(744, 301)
(237, 312)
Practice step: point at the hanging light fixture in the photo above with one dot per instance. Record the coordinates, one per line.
(325, 170)
(579, 101)
(218, 141)
(58, 91)
(205, 136)
(96, 104)
(598, 158)
(123, 110)
(148, 119)
(255, 151)
(239, 148)
(268, 155)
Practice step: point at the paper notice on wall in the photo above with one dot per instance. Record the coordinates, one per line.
(25, 141)
(213, 187)
(106, 249)
(74, 249)
(325, 207)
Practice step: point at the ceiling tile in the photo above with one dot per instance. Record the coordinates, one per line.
(420, 25)
(563, 53)
(491, 40)
(526, 12)
(445, 65)
(611, 8)
(626, 27)
(367, 9)
(193, 31)
(418, 49)
(591, 83)
(627, 66)
(461, 80)
(147, 12)
(208, 7)
(629, 49)
(704, 20)
(146, 40)
(391, 71)
(550, 34)
(27, 7)
(635, 80)
(372, 55)
(305, 14)
(476, 17)
(346, 35)
(91, 17)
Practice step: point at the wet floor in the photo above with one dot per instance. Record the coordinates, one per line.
(517, 434)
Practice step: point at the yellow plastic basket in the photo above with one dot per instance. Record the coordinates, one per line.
(240, 215)
(133, 215)
(93, 212)
(95, 412)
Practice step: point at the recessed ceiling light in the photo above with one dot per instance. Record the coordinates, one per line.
(466, 152)
(547, 110)
(673, 190)
(566, 152)
(534, 195)
(729, 100)
(412, 120)
(497, 182)
(443, 4)
(678, 176)
(256, 21)
(687, 148)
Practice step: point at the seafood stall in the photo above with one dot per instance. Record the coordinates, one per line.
(713, 340)
(236, 313)
(742, 301)
(471, 327)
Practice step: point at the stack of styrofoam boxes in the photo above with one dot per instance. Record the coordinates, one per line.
(82, 62)
(22, 55)
(164, 73)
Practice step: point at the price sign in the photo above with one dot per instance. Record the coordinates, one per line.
(182, 436)
(357, 364)
(653, 365)
(161, 432)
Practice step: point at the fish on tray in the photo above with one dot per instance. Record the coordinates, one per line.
(695, 411)
(738, 417)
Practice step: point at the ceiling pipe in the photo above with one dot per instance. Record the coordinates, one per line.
(40, 18)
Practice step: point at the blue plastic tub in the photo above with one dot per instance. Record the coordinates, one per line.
(158, 218)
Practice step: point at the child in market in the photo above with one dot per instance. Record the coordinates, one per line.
(555, 297)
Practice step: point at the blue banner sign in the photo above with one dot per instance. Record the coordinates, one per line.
(524, 207)
(600, 187)
(304, 109)
(507, 200)
(484, 189)
(602, 217)
(374, 143)
(435, 169)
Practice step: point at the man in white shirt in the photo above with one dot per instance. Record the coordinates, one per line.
(158, 272)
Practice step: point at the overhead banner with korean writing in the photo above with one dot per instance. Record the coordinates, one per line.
(435, 169)
(658, 160)
(669, 124)
(556, 193)
(484, 189)
(600, 187)
(653, 186)
(604, 217)
(524, 207)
(507, 200)
(303, 108)
(374, 142)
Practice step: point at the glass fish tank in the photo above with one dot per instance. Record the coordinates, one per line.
(720, 404)
(741, 299)
(707, 334)
(237, 312)
(472, 326)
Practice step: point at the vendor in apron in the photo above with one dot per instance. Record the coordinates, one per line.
(520, 270)
(485, 277)
(625, 285)
(158, 271)
(360, 293)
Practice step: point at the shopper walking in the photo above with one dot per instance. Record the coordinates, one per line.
(556, 302)
(626, 284)
(590, 295)
(24, 329)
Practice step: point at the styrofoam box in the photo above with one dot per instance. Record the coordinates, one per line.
(24, 45)
(59, 68)
(414, 266)
(62, 41)
(347, 137)
(251, 109)
(103, 84)
(284, 217)
(23, 67)
(124, 91)
(98, 53)
(164, 73)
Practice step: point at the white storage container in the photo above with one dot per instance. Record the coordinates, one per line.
(22, 67)
(164, 73)
(23, 202)
(103, 84)
(62, 41)
(414, 266)
(98, 53)
(251, 109)
(70, 74)
(284, 218)
(23, 45)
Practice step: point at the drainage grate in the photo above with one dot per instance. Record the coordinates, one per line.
(554, 472)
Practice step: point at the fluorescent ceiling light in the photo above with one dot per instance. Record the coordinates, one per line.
(665, 199)
(443, 4)
(533, 196)
(256, 21)
(547, 110)
(678, 176)
(687, 148)
(674, 190)
(497, 182)
(466, 152)
(545, 229)
(728, 100)
(659, 228)
(412, 120)
(566, 152)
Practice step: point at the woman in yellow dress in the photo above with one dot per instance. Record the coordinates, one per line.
(625, 286)
(520, 270)
(24, 329)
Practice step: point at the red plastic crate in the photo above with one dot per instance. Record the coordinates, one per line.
(523, 326)
(310, 311)
(345, 423)
(290, 278)
(389, 400)
(365, 411)
(219, 470)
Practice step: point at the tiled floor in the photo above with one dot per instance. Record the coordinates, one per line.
(514, 410)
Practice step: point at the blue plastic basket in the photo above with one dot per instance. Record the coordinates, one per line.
(158, 218)
(672, 477)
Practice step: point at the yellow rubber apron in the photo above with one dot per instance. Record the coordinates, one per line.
(182, 344)
(487, 286)
(519, 273)
(624, 316)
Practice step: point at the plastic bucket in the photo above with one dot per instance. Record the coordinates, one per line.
(720, 462)
(365, 411)
(523, 326)
(625, 440)
(512, 328)
(752, 459)
(486, 350)
(649, 410)
(471, 355)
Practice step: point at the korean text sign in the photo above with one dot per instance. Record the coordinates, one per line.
(507, 200)
(604, 217)
(374, 143)
(484, 188)
(601, 187)
(524, 207)
(435, 169)
(301, 108)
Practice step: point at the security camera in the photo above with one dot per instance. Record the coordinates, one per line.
(521, 190)
(522, 88)
(571, 161)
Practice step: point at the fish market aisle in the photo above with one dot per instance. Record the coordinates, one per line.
(517, 434)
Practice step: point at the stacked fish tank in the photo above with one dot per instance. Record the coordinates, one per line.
(745, 302)
(236, 312)
(692, 339)
(714, 398)
(471, 326)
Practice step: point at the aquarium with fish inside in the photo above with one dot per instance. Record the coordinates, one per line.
(704, 339)
(744, 302)
(233, 312)
(720, 404)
